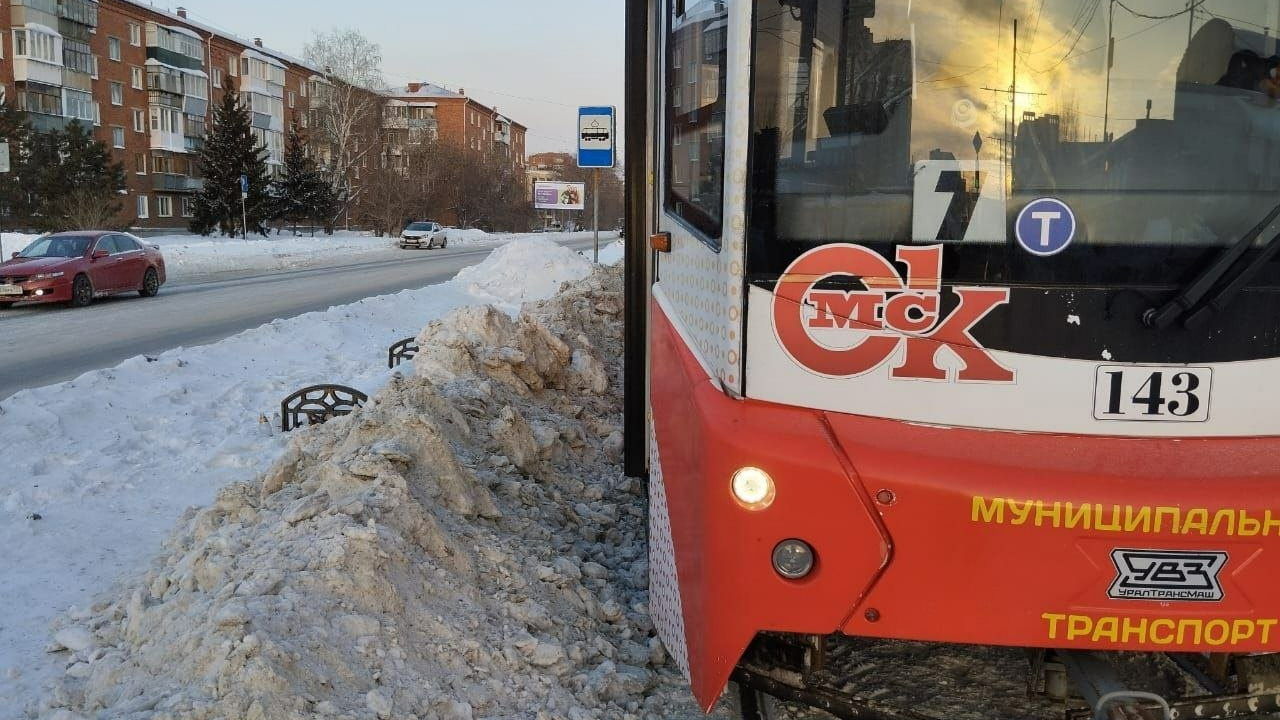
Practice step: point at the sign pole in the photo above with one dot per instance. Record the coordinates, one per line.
(596, 149)
(244, 195)
(595, 197)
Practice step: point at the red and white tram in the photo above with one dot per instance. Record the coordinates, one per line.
(956, 322)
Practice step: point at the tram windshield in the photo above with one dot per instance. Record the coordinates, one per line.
(888, 122)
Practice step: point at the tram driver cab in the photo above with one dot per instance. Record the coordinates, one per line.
(961, 331)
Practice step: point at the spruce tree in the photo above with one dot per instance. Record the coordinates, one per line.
(71, 180)
(16, 131)
(302, 192)
(229, 151)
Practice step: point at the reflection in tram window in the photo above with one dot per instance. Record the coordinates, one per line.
(696, 63)
(880, 122)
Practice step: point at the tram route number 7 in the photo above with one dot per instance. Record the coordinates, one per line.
(958, 201)
(1152, 394)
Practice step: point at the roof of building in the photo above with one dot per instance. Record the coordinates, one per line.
(187, 21)
(427, 90)
(437, 92)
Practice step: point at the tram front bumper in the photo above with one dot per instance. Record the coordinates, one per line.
(951, 535)
(722, 550)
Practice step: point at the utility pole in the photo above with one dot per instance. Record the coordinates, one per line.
(1011, 131)
(1111, 61)
(1015, 73)
(1191, 21)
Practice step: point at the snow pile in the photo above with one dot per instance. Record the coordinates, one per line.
(613, 253)
(104, 465)
(194, 256)
(526, 270)
(11, 243)
(465, 546)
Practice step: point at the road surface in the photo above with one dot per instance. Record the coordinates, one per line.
(45, 345)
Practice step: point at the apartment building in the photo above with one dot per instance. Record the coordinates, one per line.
(147, 80)
(426, 111)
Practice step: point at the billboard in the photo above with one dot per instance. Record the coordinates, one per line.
(559, 195)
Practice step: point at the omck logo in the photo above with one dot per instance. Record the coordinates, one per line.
(841, 334)
(1167, 575)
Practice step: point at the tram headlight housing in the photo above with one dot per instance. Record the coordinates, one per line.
(793, 559)
(753, 488)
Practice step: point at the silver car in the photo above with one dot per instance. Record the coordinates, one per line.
(424, 234)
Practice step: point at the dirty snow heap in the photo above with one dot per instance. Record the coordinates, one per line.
(464, 546)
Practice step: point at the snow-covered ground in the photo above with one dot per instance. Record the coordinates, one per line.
(188, 256)
(96, 471)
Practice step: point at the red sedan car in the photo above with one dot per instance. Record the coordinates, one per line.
(76, 267)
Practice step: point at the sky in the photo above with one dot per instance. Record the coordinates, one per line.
(537, 62)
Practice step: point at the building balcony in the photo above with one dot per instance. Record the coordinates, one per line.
(164, 182)
(31, 70)
(173, 142)
(77, 80)
(47, 123)
(401, 123)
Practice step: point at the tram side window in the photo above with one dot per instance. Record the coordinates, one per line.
(697, 62)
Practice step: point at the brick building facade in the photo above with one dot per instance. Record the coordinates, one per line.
(453, 117)
(147, 80)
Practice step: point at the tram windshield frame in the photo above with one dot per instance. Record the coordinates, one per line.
(895, 130)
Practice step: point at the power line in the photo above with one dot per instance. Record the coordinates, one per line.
(1180, 13)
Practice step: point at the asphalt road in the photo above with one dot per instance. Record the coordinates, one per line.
(44, 345)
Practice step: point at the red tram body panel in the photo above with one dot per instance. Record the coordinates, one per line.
(926, 359)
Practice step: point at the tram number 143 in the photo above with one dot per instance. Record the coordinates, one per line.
(1152, 394)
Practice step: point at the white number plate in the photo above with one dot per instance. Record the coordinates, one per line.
(10, 289)
(1152, 394)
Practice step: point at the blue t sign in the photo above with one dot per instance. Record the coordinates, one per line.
(596, 137)
(1046, 227)
(244, 184)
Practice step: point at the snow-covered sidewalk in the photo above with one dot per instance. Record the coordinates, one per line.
(192, 256)
(97, 470)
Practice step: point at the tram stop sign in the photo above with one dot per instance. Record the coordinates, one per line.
(596, 140)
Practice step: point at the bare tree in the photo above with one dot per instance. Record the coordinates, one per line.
(347, 106)
(385, 203)
(82, 208)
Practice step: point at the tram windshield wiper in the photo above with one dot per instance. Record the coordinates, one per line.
(1190, 296)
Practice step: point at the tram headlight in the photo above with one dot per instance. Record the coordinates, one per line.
(793, 559)
(753, 488)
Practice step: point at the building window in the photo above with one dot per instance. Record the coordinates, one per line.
(233, 66)
(113, 48)
(139, 121)
(78, 105)
(144, 209)
(117, 93)
(117, 136)
(217, 77)
(135, 34)
(188, 207)
(140, 163)
(94, 71)
(37, 45)
(164, 206)
(293, 100)
(136, 73)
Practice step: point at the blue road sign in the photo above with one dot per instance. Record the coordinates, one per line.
(1046, 227)
(244, 185)
(596, 137)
